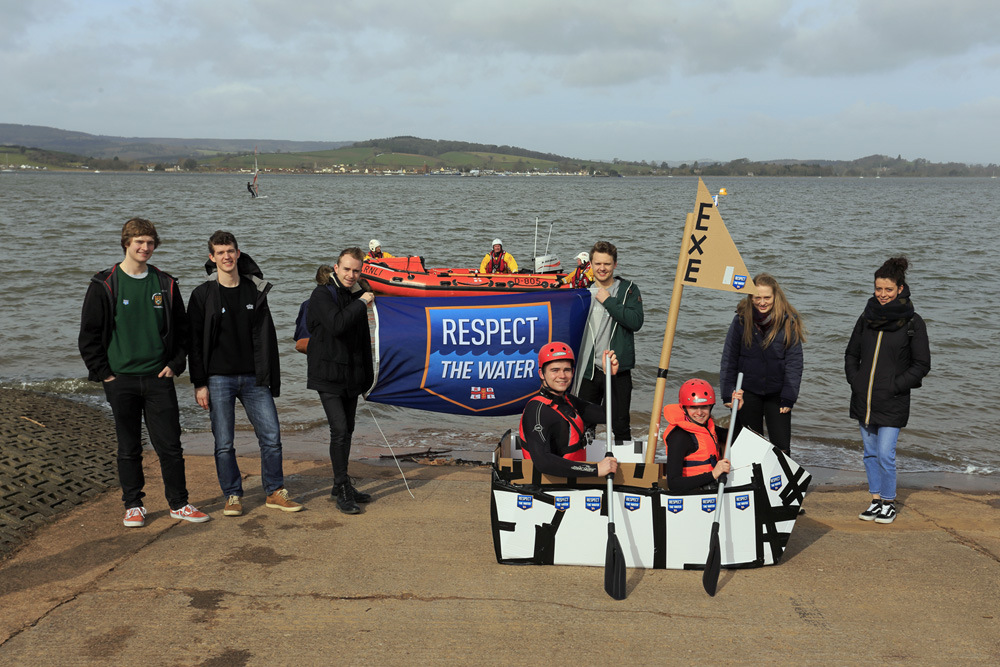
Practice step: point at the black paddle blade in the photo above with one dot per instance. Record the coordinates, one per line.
(614, 567)
(710, 578)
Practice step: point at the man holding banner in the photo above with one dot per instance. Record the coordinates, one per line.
(615, 315)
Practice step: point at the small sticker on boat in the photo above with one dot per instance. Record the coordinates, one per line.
(524, 502)
(708, 504)
(562, 503)
(593, 503)
(675, 505)
(632, 503)
(776, 482)
(743, 501)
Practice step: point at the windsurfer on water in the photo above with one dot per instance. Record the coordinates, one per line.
(252, 190)
(552, 424)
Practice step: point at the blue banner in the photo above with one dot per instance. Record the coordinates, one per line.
(470, 355)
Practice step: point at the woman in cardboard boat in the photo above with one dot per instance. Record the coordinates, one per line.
(692, 438)
(552, 424)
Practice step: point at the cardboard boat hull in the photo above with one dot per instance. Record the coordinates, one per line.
(566, 524)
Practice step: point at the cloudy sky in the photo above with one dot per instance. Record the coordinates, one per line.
(594, 79)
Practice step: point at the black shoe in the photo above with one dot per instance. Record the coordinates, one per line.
(872, 511)
(887, 514)
(345, 499)
(359, 496)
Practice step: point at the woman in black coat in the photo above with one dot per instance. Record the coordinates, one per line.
(765, 344)
(887, 356)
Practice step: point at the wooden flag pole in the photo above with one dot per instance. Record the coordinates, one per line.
(668, 341)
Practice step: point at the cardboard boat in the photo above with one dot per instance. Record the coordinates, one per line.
(407, 276)
(542, 520)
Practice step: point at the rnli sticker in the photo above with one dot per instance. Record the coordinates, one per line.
(524, 502)
(739, 282)
(776, 482)
(632, 503)
(158, 300)
(593, 503)
(562, 503)
(743, 501)
(708, 505)
(675, 505)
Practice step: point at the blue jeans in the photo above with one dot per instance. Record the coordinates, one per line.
(223, 390)
(880, 459)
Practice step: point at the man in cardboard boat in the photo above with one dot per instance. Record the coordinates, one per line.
(497, 260)
(553, 422)
(692, 439)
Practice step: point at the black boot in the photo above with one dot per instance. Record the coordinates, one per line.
(359, 496)
(345, 499)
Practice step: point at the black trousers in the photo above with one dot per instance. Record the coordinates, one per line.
(132, 398)
(340, 415)
(621, 399)
(760, 410)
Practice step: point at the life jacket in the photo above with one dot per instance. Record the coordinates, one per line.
(374, 255)
(704, 458)
(498, 265)
(580, 279)
(576, 449)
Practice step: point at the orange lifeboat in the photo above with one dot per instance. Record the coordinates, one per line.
(407, 276)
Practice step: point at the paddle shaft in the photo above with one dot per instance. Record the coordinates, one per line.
(729, 440)
(608, 434)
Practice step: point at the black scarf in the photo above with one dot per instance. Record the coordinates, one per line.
(893, 315)
(762, 321)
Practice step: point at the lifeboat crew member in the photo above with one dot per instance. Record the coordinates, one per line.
(692, 438)
(552, 424)
(583, 276)
(375, 251)
(498, 261)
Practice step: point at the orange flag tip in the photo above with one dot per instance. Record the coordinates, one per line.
(723, 192)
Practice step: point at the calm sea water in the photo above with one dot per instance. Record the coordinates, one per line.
(822, 239)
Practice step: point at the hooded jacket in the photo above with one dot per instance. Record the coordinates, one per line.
(97, 322)
(339, 356)
(884, 360)
(205, 312)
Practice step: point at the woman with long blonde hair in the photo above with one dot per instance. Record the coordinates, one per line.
(765, 344)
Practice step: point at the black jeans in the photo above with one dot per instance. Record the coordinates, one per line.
(765, 409)
(133, 397)
(340, 415)
(621, 399)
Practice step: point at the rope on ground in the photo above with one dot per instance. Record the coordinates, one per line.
(391, 452)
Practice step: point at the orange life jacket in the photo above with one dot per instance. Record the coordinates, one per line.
(498, 265)
(706, 456)
(580, 279)
(576, 449)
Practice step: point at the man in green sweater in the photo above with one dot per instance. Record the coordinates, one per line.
(133, 336)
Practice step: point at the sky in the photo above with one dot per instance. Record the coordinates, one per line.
(654, 80)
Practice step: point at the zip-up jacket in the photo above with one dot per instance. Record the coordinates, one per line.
(339, 357)
(625, 309)
(774, 369)
(97, 322)
(205, 313)
(882, 366)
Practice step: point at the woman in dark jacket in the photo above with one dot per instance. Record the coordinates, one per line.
(765, 344)
(887, 356)
(340, 363)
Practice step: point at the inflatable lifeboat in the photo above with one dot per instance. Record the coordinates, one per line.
(407, 276)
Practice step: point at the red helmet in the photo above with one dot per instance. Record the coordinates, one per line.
(555, 352)
(696, 392)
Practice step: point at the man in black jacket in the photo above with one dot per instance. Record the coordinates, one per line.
(234, 354)
(133, 333)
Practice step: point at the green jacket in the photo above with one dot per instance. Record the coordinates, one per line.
(626, 314)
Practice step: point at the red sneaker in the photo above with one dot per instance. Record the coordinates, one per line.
(135, 517)
(189, 513)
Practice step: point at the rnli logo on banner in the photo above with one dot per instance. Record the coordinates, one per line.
(708, 504)
(675, 505)
(743, 501)
(524, 502)
(562, 503)
(484, 356)
(632, 503)
(593, 503)
(776, 482)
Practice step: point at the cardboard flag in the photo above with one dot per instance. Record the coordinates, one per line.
(710, 258)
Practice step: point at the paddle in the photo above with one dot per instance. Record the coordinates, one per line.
(614, 559)
(710, 578)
